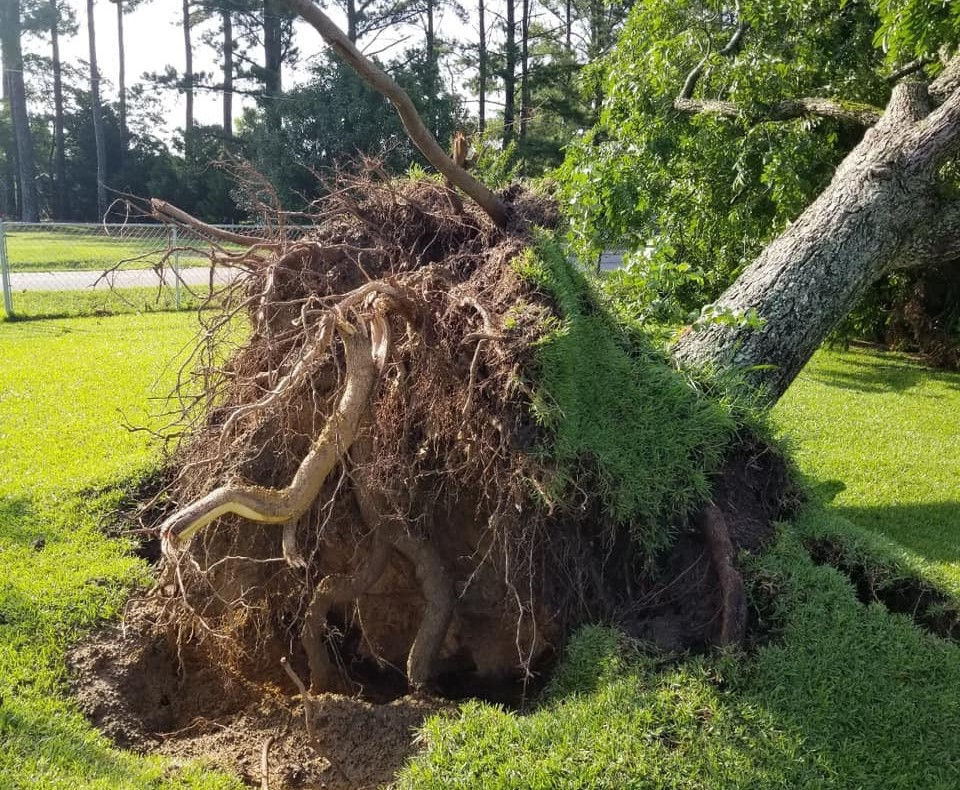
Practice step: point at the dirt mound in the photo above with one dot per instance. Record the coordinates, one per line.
(147, 693)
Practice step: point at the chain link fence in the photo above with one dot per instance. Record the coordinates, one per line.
(57, 270)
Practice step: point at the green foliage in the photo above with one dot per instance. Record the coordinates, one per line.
(614, 408)
(335, 120)
(913, 28)
(707, 192)
(65, 388)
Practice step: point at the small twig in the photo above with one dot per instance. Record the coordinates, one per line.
(308, 719)
(264, 754)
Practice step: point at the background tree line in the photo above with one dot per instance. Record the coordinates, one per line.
(662, 128)
(72, 137)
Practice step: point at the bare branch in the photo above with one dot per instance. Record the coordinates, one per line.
(387, 86)
(731, 49)
(911, 68)
(166, 212)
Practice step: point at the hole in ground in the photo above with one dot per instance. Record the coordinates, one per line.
(925, 605)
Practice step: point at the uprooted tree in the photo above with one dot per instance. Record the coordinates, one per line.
(435, 452)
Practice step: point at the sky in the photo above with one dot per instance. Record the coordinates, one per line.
(153, 39)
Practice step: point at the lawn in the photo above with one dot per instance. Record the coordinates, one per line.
(878, 436)
(28, 305)
(66, 388)
(92, 248)
(843, 695)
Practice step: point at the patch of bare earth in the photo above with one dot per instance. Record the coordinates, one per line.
(145, 694)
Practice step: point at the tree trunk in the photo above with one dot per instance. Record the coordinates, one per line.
(227, 72)
(880, 212)
(272, 60)
(60, 201)
(187, 73)
(510, 74)
(122, 78)
(97, 113)
(351, 9)
(482, 67)
(17, 107)
(524, 67)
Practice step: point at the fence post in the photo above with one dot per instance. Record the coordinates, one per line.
(5, 272)
(176, 267)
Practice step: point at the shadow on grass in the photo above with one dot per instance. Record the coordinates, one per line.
(881, 373)
(61, 743)
(931, 530)
(18, 521)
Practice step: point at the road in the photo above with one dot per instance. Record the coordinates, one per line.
(133, 278)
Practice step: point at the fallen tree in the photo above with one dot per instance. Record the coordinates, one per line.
(411, 415)
(429, 458)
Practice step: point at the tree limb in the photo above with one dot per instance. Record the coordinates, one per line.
(911, 68)
(387, 86)
(856, 114)
(167, 212)
(731, 48)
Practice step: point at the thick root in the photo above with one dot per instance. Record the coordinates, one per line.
(438, 592)
(733, 628)
(337, 589)
(275, 506)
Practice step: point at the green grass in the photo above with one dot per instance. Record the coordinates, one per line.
(89, 249)
(65, 387)
(619, 418)
(878, 436)
(28, 305)
(843, 696)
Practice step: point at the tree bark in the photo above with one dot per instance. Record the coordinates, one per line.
(482, 68)
(121, 78)
(10, 31)
(881, 211)
(60, 201)
(272, 61)
(524, 67)
(227, 72)
(97, 113)
(187, 73)
(510, 73)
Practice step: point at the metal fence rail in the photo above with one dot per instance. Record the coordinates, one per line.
(60, 269)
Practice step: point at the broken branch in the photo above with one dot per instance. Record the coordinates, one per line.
(382, 82)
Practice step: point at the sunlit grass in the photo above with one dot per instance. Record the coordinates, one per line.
(879, 438)
(67, 388)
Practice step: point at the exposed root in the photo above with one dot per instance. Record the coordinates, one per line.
(275, 506)
(337, 589)
(733, 628)
(265, 763)
(304, 696)
(438, 592)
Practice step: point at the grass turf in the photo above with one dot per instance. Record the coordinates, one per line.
(65, 387)
(844, 696)
(877, 436)
(88, 249)
(619, 419)
(29, 305)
